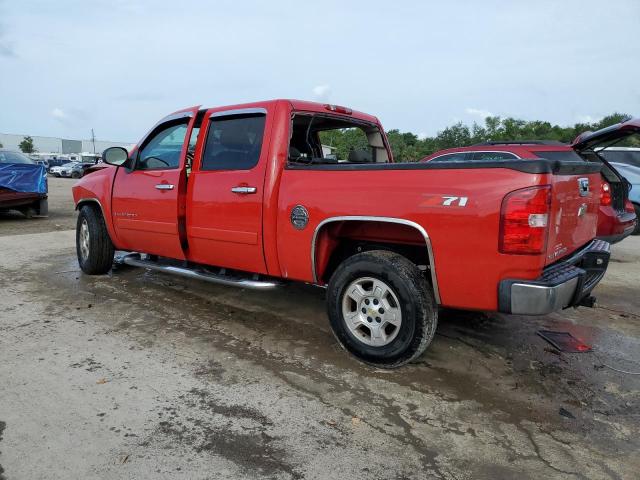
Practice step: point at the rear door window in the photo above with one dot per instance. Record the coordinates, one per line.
(233, 143)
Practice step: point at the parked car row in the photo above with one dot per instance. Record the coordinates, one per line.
(71, 169)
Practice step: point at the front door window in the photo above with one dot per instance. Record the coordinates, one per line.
(162, 151)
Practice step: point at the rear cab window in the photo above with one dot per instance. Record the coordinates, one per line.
(326, 139)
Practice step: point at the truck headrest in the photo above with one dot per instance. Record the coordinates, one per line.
(360, 156)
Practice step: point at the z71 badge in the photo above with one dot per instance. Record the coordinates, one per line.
(444, 201)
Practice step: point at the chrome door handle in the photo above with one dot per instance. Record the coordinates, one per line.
(164, 186)
(244, 190)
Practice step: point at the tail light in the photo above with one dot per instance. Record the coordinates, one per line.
(628, 206)
(605, 194)
(524, 220)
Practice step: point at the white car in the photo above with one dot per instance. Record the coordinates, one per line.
(56, 170)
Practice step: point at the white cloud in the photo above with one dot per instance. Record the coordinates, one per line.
(588, 119)
(322, 92)
(478, 112)
(422, 135)
(58, 114)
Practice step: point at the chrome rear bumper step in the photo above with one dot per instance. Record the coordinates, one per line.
(136, 260)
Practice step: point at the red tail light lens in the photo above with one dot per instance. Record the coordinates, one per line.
(605, 194)
(524, 221)
(628, 206)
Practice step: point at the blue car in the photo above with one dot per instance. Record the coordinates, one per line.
(632, 175)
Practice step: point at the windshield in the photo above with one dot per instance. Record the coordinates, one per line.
(14, 157)
(323, 139)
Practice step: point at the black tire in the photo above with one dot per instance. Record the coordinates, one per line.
(99, 257)
(29, 212)
(636, 231)
(419, 313)
(75, 175)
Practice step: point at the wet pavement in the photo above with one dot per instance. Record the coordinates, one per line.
(143, 375)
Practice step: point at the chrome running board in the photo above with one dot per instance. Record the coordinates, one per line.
(136, 260)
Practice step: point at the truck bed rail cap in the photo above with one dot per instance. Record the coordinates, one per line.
(534, 166)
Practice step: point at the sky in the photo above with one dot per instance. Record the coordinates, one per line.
(118, 66)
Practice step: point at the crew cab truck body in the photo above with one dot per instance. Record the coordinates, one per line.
(244, 195)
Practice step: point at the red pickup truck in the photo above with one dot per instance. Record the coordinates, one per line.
(254, 195)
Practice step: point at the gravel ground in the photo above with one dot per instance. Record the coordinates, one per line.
(142, 375)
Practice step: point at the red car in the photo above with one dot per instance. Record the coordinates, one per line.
(616, 217)
(246, 195)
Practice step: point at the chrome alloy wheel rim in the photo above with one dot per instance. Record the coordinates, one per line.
(84, 239)
(371, 311)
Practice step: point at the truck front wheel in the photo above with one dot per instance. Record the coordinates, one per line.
(381, 308)
(93, 244)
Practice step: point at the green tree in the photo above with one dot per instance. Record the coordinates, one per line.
(26, 145)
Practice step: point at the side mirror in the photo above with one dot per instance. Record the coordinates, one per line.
(117, 156)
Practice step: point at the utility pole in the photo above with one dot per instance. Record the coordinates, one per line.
(93, 140)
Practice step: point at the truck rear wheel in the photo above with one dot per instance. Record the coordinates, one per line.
(93, 244)
(381, 308)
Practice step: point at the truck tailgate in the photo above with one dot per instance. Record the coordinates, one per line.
(574, 213)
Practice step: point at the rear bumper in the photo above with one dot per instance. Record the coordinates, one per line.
(563, 284)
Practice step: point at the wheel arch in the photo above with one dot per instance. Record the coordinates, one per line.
(421, 231)
(105, 214)
(90, 201)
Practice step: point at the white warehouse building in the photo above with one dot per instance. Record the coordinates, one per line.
(59, 145)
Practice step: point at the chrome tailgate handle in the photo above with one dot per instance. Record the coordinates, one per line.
(244, 190)
(164, 186)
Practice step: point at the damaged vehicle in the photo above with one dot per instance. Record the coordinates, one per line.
(617, 215)
(631, 174)
(23, 185)
(246, 195)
